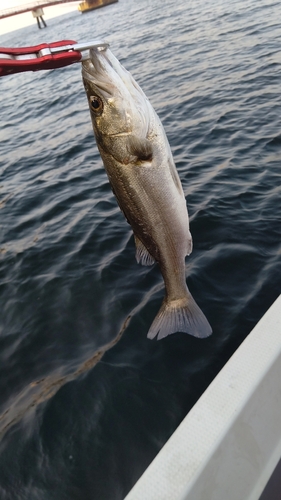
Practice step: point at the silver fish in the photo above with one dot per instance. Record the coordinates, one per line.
(142, 173)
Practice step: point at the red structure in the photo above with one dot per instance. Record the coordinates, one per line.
(31, 6)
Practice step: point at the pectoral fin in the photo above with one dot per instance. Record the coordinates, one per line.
(140, 149)
(142, 255)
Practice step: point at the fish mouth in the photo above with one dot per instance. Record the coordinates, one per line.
(95, 70)
(109, 76)
(104, 73)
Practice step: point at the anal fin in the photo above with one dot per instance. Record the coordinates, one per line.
(143, 256)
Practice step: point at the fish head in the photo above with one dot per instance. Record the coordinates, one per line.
(121, 113)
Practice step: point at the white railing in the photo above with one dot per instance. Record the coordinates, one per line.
(30, 6)
(229, 444)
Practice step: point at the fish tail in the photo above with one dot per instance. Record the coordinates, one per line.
(181, 315)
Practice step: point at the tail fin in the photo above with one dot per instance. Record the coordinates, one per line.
(182, 315)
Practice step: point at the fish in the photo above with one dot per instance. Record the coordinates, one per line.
(139, 164)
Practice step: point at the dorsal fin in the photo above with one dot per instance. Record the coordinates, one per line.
(189, 245)
(174, 174)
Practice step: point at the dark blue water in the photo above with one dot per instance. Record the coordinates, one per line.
(86, 400)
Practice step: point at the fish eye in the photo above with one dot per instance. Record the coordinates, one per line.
(96, 104)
